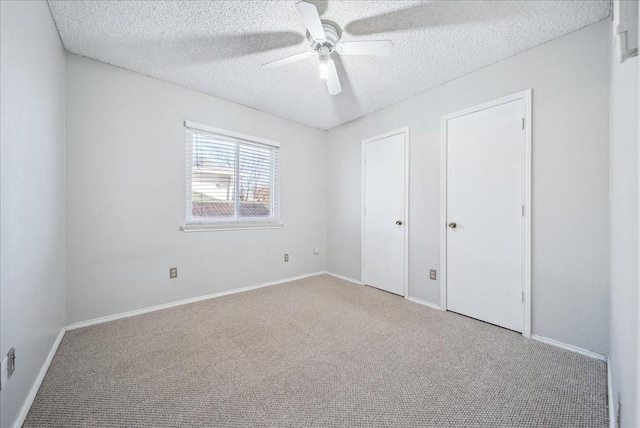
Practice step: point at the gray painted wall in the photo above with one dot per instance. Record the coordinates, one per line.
(126, 196)
(625, 219)
(32, 195)
(570, 230)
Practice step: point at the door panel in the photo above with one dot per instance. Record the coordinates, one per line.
(484, 199)
(384, 245)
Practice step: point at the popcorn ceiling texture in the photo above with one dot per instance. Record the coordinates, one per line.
(218, 47)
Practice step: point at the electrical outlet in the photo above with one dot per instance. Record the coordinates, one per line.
(4, 375)
(173, 273)
(7, 367)
(433, 274)
(11, 363)
(286, 257)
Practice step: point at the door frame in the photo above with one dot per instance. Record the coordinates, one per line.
(525, 97)
(405, 131)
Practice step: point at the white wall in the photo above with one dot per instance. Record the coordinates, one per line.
(625, 218)
(570, 230)
(32, 195)
(126, 196)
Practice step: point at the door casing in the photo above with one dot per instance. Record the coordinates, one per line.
(405, 131)
(525, 97)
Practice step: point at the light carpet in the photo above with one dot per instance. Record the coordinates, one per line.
(317, 352)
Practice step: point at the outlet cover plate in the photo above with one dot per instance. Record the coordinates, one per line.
(433, 274)
(173, 273)
(7, 367)
(11, 362)
(4, 375)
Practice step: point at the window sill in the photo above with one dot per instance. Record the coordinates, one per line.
(210, 227)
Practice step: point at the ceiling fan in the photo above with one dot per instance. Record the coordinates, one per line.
(324, 37)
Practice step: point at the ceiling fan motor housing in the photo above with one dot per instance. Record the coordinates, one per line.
(332, 32)
(324, 41)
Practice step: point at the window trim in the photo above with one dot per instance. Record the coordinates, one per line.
(251, 223)
(230, 134)
(235, 225)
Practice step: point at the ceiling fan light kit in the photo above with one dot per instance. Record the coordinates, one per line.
(324, 37)
(324, 69)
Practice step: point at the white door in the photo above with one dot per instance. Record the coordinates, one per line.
(384, 213)
(484, 215)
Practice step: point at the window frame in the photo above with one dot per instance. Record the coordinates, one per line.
(271, 222)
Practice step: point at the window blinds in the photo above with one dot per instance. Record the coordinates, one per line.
(230, 179)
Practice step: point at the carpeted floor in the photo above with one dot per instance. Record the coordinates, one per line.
(318, 352)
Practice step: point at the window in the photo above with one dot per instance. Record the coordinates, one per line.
(232, 180)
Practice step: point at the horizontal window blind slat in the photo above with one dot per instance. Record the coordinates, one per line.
(230, 179)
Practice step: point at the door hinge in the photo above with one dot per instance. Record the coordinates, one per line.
(523, 123)
(522, 210)
(365, 211)
(522, 296)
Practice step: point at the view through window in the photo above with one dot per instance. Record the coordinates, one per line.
(230, 180)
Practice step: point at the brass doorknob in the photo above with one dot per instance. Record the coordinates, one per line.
(399, 222)
(453, 225)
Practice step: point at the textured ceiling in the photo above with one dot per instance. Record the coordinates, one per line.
(218, 47)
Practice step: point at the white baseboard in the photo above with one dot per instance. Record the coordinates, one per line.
(423, 302)
(36, 385)
(45, 367)
(43, 371)
(133, 313)
(413, 299)
(346, 278)
(612, 410)
(569, 347)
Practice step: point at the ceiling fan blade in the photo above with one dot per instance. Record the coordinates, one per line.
(287, 60)
(377, 47)
(333, 81)
(309, 14)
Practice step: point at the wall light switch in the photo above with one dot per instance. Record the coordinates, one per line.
(173, 273)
